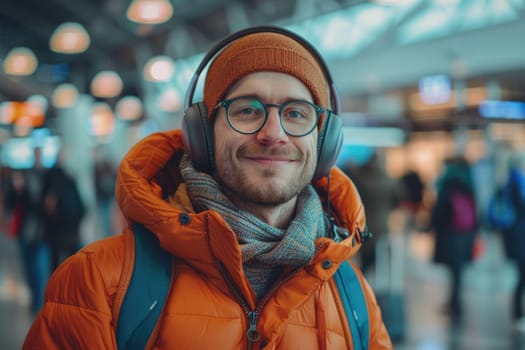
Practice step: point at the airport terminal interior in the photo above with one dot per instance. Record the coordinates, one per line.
(419, 82)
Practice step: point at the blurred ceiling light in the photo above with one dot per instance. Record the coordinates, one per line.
(170, 101)
(20, 61)
(64, 96)
(150, 11)
(106, 84)
(69, 38)
(102, 120)
(129, 108)
(159, 69)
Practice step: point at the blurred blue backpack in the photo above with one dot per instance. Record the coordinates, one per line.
(501, 211)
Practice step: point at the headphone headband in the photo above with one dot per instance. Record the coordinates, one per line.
(334, 98)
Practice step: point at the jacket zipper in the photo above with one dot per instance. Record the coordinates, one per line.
(252, 334)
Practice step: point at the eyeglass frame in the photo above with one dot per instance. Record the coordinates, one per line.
(227, 103)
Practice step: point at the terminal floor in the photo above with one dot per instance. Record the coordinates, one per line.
(485, 323)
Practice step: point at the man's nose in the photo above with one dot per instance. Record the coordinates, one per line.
(272, 131)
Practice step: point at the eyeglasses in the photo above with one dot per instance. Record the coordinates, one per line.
(247, 115)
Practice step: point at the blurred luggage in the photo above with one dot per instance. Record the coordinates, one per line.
(389, 284)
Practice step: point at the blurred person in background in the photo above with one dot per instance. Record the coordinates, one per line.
(24, 200)
(252, 248)
(5, 186)
(105, 174)
(412, 202)
(15, 197)
(454, 222)
(514, 234)
(63, 210)
(381, 194)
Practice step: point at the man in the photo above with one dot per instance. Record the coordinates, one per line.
(455, 224)
(514, 235)
(34, 250)
(253, 255)
(63, 210)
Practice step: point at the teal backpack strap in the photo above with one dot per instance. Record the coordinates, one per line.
(146, 293)
(354, 303)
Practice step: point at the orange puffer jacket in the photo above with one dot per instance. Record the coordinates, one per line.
(210, 296)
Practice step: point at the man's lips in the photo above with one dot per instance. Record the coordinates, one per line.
(269, 155)
(270, 160)
(264, 158)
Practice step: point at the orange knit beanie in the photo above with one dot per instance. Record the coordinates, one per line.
(265, 51)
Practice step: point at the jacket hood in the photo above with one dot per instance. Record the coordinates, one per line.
(149, 173)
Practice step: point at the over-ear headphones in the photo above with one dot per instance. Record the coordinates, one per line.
(197, 127)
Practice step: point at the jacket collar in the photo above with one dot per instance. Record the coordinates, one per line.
(149, 174)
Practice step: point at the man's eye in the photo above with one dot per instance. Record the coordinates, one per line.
(294, 114)
(248, 111)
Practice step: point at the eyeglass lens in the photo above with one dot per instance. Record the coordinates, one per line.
(248, 115)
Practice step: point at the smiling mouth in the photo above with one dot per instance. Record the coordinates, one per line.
(270, 155)
(270, 160)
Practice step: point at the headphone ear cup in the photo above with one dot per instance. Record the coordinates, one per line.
(329, 143)
(198, 137)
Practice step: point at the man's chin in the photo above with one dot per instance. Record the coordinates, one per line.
(268, 187)
(262, 192)
(267, 197)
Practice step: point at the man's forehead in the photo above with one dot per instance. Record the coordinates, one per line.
(265, 84)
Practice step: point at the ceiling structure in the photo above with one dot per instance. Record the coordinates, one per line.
(117, 43)
(376, 53)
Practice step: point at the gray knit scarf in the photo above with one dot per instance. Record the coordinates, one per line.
(265, 249)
